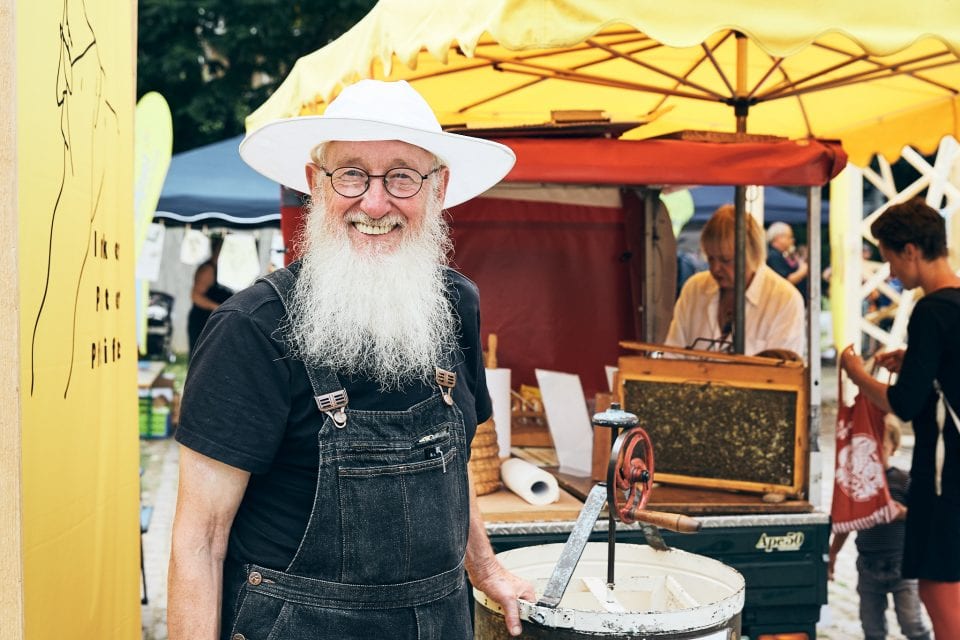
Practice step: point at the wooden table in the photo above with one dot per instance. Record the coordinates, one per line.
(147, 373)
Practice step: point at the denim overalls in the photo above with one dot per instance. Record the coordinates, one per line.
(382, 554)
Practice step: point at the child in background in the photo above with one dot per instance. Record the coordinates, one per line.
(880, 550)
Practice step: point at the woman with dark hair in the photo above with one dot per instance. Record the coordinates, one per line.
(207, 293)
(912, 239)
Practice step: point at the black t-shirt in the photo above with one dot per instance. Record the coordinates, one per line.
(249, 405)
(933, 351)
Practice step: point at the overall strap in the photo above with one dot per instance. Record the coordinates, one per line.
(328, 392)
(445, 371)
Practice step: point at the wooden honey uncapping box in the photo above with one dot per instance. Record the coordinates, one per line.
(727, 422)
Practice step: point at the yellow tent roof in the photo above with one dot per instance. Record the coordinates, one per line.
(876, 74)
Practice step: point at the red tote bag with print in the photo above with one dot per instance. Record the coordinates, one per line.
(861, 498)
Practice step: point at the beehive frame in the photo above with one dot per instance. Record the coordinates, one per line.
(721, 421)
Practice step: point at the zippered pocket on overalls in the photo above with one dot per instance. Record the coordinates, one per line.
(432, 445)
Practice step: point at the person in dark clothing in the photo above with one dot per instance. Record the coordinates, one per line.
(784, 258)
(912, 239)
(207, 293)
(880, 553)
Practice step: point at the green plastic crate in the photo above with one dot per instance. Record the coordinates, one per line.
(154, 420)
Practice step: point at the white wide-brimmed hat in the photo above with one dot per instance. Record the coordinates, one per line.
(376, 110)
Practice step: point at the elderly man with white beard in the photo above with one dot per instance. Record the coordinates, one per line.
(329, 408)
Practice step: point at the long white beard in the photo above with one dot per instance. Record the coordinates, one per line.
(386, 315)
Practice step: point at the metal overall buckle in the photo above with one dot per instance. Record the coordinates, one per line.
(334, 404)
(447, 380)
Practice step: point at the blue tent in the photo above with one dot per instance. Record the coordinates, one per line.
(779, 205)
(212, 185)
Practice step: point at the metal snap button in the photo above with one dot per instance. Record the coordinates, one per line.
(238, 636)
(254, 578)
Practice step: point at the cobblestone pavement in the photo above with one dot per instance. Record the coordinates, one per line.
(839, 619)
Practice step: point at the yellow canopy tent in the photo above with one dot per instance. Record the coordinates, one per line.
(875, 74)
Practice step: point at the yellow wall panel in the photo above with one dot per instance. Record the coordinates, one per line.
(75, 95)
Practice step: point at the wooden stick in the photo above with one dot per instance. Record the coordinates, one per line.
(672, 521)
(491, 359)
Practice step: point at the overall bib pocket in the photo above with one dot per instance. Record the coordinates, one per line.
(407, 513)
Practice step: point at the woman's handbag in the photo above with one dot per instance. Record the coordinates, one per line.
(861, 497)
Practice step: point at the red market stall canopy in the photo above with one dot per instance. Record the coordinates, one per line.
(670, 162)
(556, 248)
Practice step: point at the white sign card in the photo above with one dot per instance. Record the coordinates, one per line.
(566, 409)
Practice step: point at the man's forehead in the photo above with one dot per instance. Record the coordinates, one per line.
(392, 152)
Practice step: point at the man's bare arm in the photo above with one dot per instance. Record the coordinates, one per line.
(488, 575)
(209, 495)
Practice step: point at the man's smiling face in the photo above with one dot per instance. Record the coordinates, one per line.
(376, 221)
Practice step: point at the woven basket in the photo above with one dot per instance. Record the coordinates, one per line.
(485, 459)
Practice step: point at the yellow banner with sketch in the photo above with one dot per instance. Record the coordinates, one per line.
(78, 355)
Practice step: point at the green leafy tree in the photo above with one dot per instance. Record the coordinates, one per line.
(215, 61)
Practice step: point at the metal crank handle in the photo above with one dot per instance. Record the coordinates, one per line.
(672, 521)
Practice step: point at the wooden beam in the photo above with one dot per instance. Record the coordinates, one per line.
(11, 596)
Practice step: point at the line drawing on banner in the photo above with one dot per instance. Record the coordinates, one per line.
(75, 99)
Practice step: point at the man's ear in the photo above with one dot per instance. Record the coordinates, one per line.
(313, 172)
(445, 180)
(912, 251)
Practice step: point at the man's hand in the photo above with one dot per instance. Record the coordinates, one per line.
(504, 588)
(488, 575)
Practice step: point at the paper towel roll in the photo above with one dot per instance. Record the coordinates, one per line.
(530, 482)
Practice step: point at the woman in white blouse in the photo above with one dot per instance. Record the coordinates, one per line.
(703, 315)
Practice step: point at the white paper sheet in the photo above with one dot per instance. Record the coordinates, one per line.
(498, 383)
(566, 409)
(148, 264)
(239, 262)
(277, 251)
(195, 248)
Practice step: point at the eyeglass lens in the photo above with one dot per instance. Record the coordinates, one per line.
(352, 182)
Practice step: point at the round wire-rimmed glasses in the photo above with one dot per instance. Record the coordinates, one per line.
(400, 182)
